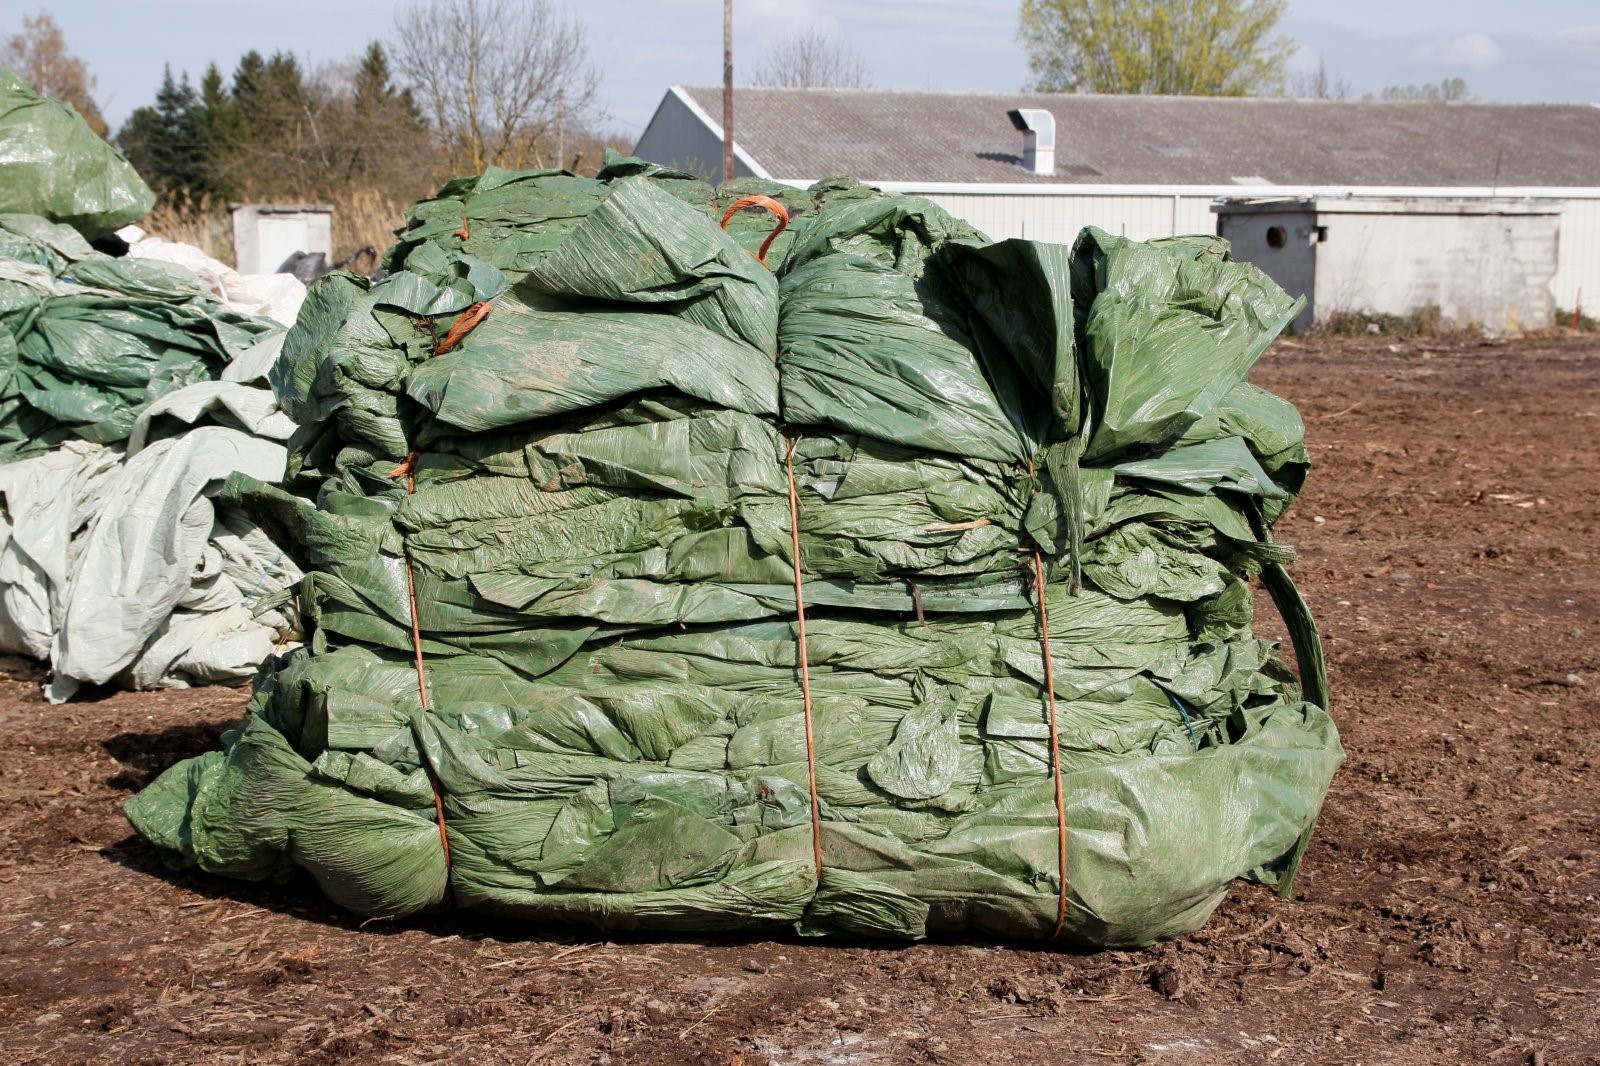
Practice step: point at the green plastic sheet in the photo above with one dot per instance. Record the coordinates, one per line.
(89, 342)
(53, 165)
(580, 514)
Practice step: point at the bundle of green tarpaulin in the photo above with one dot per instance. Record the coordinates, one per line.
(88, 342)
(53, 165)
(555, 668)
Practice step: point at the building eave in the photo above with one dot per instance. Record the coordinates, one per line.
(955, 188)
(716, 128)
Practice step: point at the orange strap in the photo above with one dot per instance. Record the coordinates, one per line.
(805, 661)
(465, 232)
(408, 470)
(1055, 732)
(760, 201)
(469, 318)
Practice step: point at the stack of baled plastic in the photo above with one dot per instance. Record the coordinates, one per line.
(549, 488)
(54, 166)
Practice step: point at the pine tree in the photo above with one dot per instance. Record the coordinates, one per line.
(222, 129)
(387, 133)
(248, 77)
(167, 142)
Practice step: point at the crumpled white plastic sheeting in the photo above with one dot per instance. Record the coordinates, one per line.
(47, 499)
(276, 296)
(118, 567)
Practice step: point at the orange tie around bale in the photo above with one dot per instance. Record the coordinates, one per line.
(407, 469)
(1055, 732)
(469, 318)
(759, 201)
(805, 660)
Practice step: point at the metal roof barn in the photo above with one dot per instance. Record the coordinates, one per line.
(1152, 166)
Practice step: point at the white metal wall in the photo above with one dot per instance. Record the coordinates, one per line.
(1578, 259)
(1059, 216)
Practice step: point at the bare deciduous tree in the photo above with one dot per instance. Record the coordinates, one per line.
(1318, 84)
(39, 53)
(501, 80)
(812, 59)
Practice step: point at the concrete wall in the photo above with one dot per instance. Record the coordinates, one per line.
(264, 235)
(1476, 262)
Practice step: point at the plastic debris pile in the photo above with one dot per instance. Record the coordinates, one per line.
(128, 395)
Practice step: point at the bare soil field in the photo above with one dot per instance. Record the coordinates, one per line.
(1448, 910)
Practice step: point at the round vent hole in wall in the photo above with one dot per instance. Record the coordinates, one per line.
(1276, 236)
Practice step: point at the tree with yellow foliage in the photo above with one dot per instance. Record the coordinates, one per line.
(39, 53)
(1176, 47)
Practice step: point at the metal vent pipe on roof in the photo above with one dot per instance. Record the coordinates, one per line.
(1038, 128)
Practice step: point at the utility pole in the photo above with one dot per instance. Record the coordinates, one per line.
(727, 90)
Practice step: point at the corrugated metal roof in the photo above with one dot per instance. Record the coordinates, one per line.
(881, 135)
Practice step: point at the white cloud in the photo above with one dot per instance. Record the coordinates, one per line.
(1471, 50)
(774, 20)
(1580, 35)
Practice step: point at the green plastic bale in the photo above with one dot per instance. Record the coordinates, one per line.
(580, 513)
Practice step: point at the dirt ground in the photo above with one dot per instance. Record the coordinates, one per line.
(1448, 910)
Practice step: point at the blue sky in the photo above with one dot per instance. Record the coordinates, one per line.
(1534, 50)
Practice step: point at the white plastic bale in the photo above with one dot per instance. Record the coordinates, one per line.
(142, 551)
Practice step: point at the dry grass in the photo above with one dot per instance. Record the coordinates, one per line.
(361, 218)
(365, 218)
(1576, 319)
(201, 221)
(1423, 322)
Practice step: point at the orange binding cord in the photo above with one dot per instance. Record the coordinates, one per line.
(805, 661)
(465, 232)
(759, 201)
(1055, 732)
(408, 470)
(469, 318)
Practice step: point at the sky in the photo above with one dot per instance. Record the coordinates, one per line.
(1532, 50)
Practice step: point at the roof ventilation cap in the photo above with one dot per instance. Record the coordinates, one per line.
(1038, 128)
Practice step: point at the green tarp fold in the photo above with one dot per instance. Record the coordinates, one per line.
(53, 165)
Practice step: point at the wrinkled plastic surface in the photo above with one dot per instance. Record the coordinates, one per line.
(87, 342)
(120, 568)
(598, 555)
(115, 565)
(53, 165)
(274, 296)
